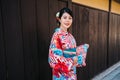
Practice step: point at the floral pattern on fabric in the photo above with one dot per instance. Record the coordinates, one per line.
(62, 50)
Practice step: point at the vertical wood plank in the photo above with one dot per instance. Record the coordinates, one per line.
(53, 9)
(13, 39)
(114, 48)
(43, 29)
(118, 36)
(76, 24)
(112, 40)
(3, 69)
(30, 42)
(93, 30)
(102, 41)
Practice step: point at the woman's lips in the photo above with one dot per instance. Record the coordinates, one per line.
(67, 24)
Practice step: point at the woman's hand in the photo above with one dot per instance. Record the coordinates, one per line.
(87, 45)
(75, 59)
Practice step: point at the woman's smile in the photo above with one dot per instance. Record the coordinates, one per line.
(67, 24)
(65, 21)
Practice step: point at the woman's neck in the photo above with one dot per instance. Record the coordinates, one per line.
(64, 29)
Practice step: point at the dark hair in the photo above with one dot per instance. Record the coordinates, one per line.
(67, 10)
(62, 11)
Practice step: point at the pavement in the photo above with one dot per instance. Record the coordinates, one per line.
(112, 73)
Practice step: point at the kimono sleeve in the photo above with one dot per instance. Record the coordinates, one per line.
(81, 53)
(56, 53)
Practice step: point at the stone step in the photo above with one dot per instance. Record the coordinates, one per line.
(112, 73)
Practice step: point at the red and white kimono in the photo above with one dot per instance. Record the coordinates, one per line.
(62, 51)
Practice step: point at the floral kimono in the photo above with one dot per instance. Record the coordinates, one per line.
(62, 51)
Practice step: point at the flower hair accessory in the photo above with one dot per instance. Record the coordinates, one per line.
(57, 14)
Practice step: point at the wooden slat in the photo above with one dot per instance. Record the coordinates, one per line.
(114, 40)
(30, 42)
(93, 30)
(53, 9)
(118, 36)
(43, 37)
(75, 21)
(102, 41)
(13, 39)
(3, 69)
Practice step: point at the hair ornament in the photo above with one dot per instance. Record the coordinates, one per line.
(57, 14)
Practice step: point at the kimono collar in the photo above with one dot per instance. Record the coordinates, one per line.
(61, 31)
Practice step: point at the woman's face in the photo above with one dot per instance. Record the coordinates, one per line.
(65, 21)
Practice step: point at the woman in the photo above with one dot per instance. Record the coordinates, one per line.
(64, 55)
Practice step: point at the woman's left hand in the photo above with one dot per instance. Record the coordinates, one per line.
(75, 59)
(87, 45)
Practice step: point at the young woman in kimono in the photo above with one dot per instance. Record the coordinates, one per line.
(64, 55)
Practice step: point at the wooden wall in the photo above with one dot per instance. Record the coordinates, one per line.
(114, 39)
(91, 26)
(11, 41)
(26, 27)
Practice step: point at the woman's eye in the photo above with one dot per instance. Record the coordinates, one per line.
(70, 18)
(65, 17)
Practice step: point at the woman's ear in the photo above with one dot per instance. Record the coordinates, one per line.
(59, 20)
